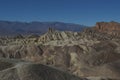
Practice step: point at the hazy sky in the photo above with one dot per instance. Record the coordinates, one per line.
(86, 12)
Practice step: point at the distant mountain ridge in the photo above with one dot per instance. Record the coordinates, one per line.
(13, 28)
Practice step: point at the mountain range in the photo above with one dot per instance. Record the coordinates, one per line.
(13, 28)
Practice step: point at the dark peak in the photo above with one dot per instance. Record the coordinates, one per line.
(19, 36)
(51, 30)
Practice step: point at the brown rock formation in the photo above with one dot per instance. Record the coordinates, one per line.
(112, 28)
(104, 31)
(107, 26)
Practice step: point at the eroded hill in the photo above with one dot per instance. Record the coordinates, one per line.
(95, 52)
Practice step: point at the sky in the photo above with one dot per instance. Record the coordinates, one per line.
(85, 12)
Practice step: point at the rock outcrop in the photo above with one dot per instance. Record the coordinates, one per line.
(108, 26)
(112, 28)
(52, 35)
(104, 31)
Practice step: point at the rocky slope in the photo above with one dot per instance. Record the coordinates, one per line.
(99, 59)
(12, 69)
(21, 70)
(92, 53)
